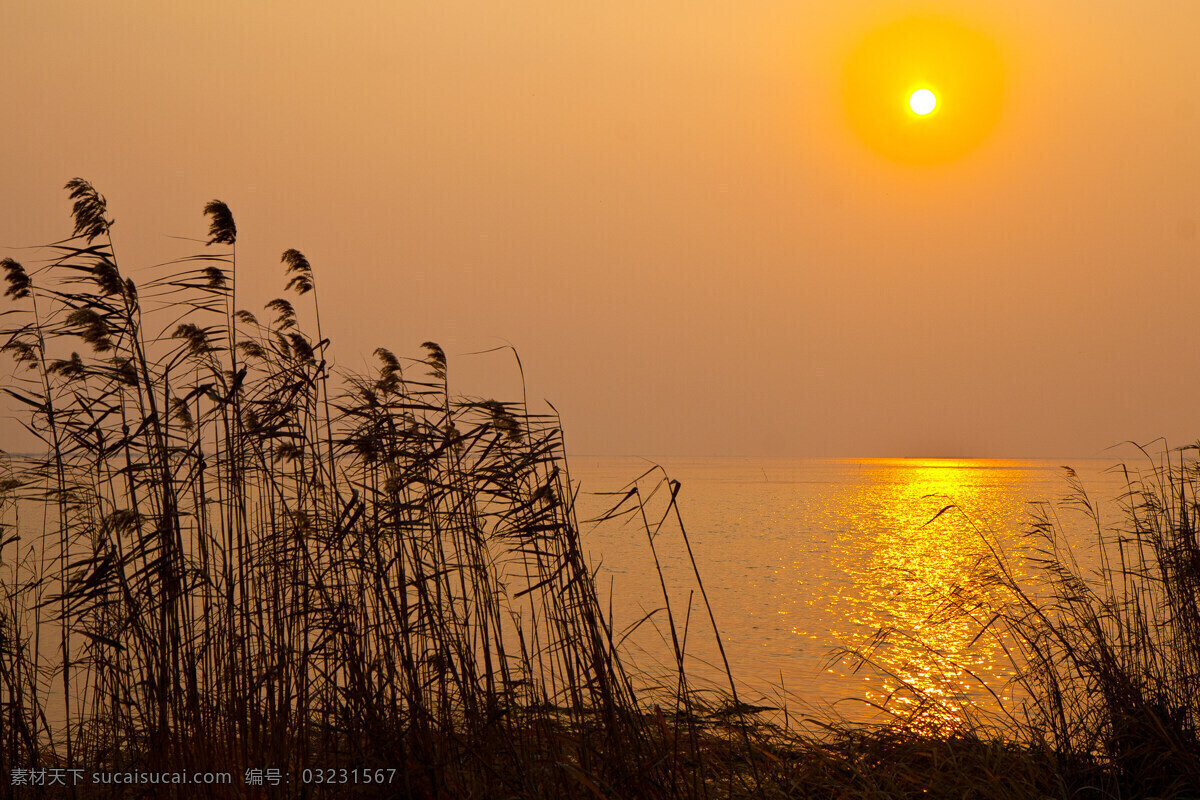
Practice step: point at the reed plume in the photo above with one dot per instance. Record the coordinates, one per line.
(253, 560)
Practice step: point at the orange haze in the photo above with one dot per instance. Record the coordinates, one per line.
(664, 206)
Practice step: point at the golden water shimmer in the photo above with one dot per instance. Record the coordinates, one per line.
(804, 559)
(917, 555)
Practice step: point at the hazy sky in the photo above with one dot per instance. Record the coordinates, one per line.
(662, 206)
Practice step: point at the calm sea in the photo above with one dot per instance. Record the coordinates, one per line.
(803, 558)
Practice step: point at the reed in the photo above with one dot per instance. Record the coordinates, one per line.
(1104, 641)
(226, 557)
(1112, 648)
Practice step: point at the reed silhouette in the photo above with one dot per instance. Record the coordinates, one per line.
(248, 561)
(1104, 641)
(225, 556)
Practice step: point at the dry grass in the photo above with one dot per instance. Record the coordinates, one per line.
(241, 560)
(228, 557)
(1104, 641)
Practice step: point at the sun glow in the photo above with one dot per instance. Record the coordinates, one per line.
(922, 102)
(924, 90)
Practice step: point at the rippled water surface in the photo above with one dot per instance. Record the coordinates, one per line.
(802, 557)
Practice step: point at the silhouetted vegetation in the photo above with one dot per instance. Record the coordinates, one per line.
(1112, 652)
(1105, 641)
(224, 556)
(245, 561)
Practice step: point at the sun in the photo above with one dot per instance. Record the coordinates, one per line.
(924, 90)
(922, 102)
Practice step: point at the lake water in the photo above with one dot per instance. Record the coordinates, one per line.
(802, 557)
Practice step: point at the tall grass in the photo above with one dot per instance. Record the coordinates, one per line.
(1113, 651)
(223, 556)
(1104, 641)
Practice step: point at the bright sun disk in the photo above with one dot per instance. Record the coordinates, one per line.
(923, 90)
(922, 101)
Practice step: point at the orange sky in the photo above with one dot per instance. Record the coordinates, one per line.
(664, 209)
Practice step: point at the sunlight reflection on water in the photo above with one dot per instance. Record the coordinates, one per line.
(917, 542)
(803, 557)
